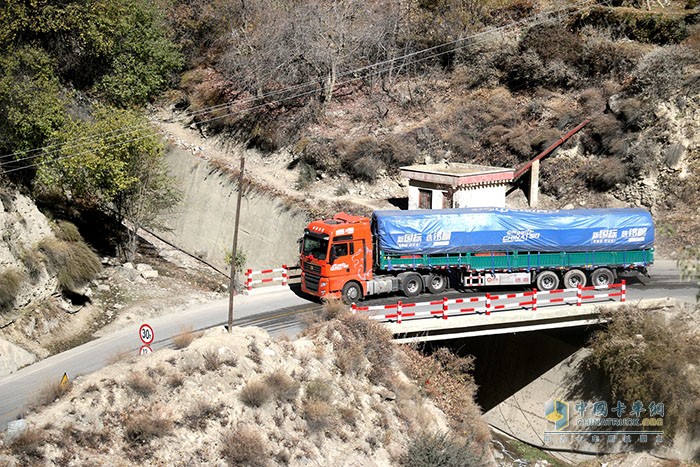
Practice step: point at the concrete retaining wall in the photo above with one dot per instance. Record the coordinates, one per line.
(202, 224)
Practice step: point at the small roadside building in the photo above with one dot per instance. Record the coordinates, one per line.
(456, 185)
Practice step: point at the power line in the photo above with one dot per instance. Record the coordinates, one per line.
(387, 65)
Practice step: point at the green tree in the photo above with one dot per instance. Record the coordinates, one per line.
(119, 48)
(32, 102)
(114, 162)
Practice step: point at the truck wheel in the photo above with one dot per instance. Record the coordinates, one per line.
(574, 278)
(437, 283)
(547, 280)
(351, 292)
(602, 276)
(412, 285)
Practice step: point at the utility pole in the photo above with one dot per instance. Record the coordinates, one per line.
(234, 250)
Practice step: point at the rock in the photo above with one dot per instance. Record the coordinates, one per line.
(14, 429)
(128, 266)
(149, 274)
(13, 358)
(103, 288)
(141, 267)
(568, 206)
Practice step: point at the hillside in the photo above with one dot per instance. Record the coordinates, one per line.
(341, 395)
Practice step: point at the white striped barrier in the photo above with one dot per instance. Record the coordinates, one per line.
(283, 278)
(489, 303)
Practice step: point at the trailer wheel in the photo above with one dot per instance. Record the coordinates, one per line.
(574, 278)
(351, 292)
(437, 283)
(412, 285)
(602, 276)
(547, 280)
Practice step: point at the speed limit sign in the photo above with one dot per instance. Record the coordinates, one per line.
(145, 350)
(146, 334)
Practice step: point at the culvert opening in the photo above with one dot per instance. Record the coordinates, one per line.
(506, 363)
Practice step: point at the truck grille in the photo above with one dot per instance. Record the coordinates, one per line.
(311, 281)
(312, 268)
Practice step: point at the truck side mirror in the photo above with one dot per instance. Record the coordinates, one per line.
(333, 256)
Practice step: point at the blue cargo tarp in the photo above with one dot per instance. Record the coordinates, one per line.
(465, 230)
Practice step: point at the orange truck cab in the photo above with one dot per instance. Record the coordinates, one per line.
(336, 257)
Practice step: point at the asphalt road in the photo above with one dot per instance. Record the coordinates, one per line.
(279, 313)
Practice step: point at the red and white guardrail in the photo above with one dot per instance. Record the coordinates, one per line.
(488, 303)
(266, 276)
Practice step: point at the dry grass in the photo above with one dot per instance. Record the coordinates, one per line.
(319, 415)
(185, 338)
(254, 352)
(244, 446)
(175, 380)
(443, 449)
(28, 445)
(50, 393)
(201, 412)
(212, 360)
(317, 409)
(74, 263)
(141, 384)
(283, 387)
(10, 283)
(144, 426)
(442, 377)
(255, 393)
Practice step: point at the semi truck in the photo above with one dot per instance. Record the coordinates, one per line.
(416, 251)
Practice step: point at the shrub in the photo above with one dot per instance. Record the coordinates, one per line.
(10, 284)
(185, 338)
(34, 262)
(431, 449)
(66, 232)
(319, 415)
(319, 390)
(28, 444)
(652, 356)
(603, 58)
(282, 386)
(602, 174)
(141, 384)
(74, 262)
(661, 72)
(255, 393)
(376, 340)
(201, 412)
(50, 393)
(144, 426)
(244, 446)
(212, 361)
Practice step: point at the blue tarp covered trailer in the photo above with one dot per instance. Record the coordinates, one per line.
(448, 231)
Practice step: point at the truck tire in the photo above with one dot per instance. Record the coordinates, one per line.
(602, 276)
(574, 278)
(352, 292)
(547, 280)
(412, 285)
(437, 283)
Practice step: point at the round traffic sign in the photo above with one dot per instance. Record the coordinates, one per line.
(146, 334)
(145, 349)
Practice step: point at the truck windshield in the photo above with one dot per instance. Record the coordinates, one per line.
(315, 246)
